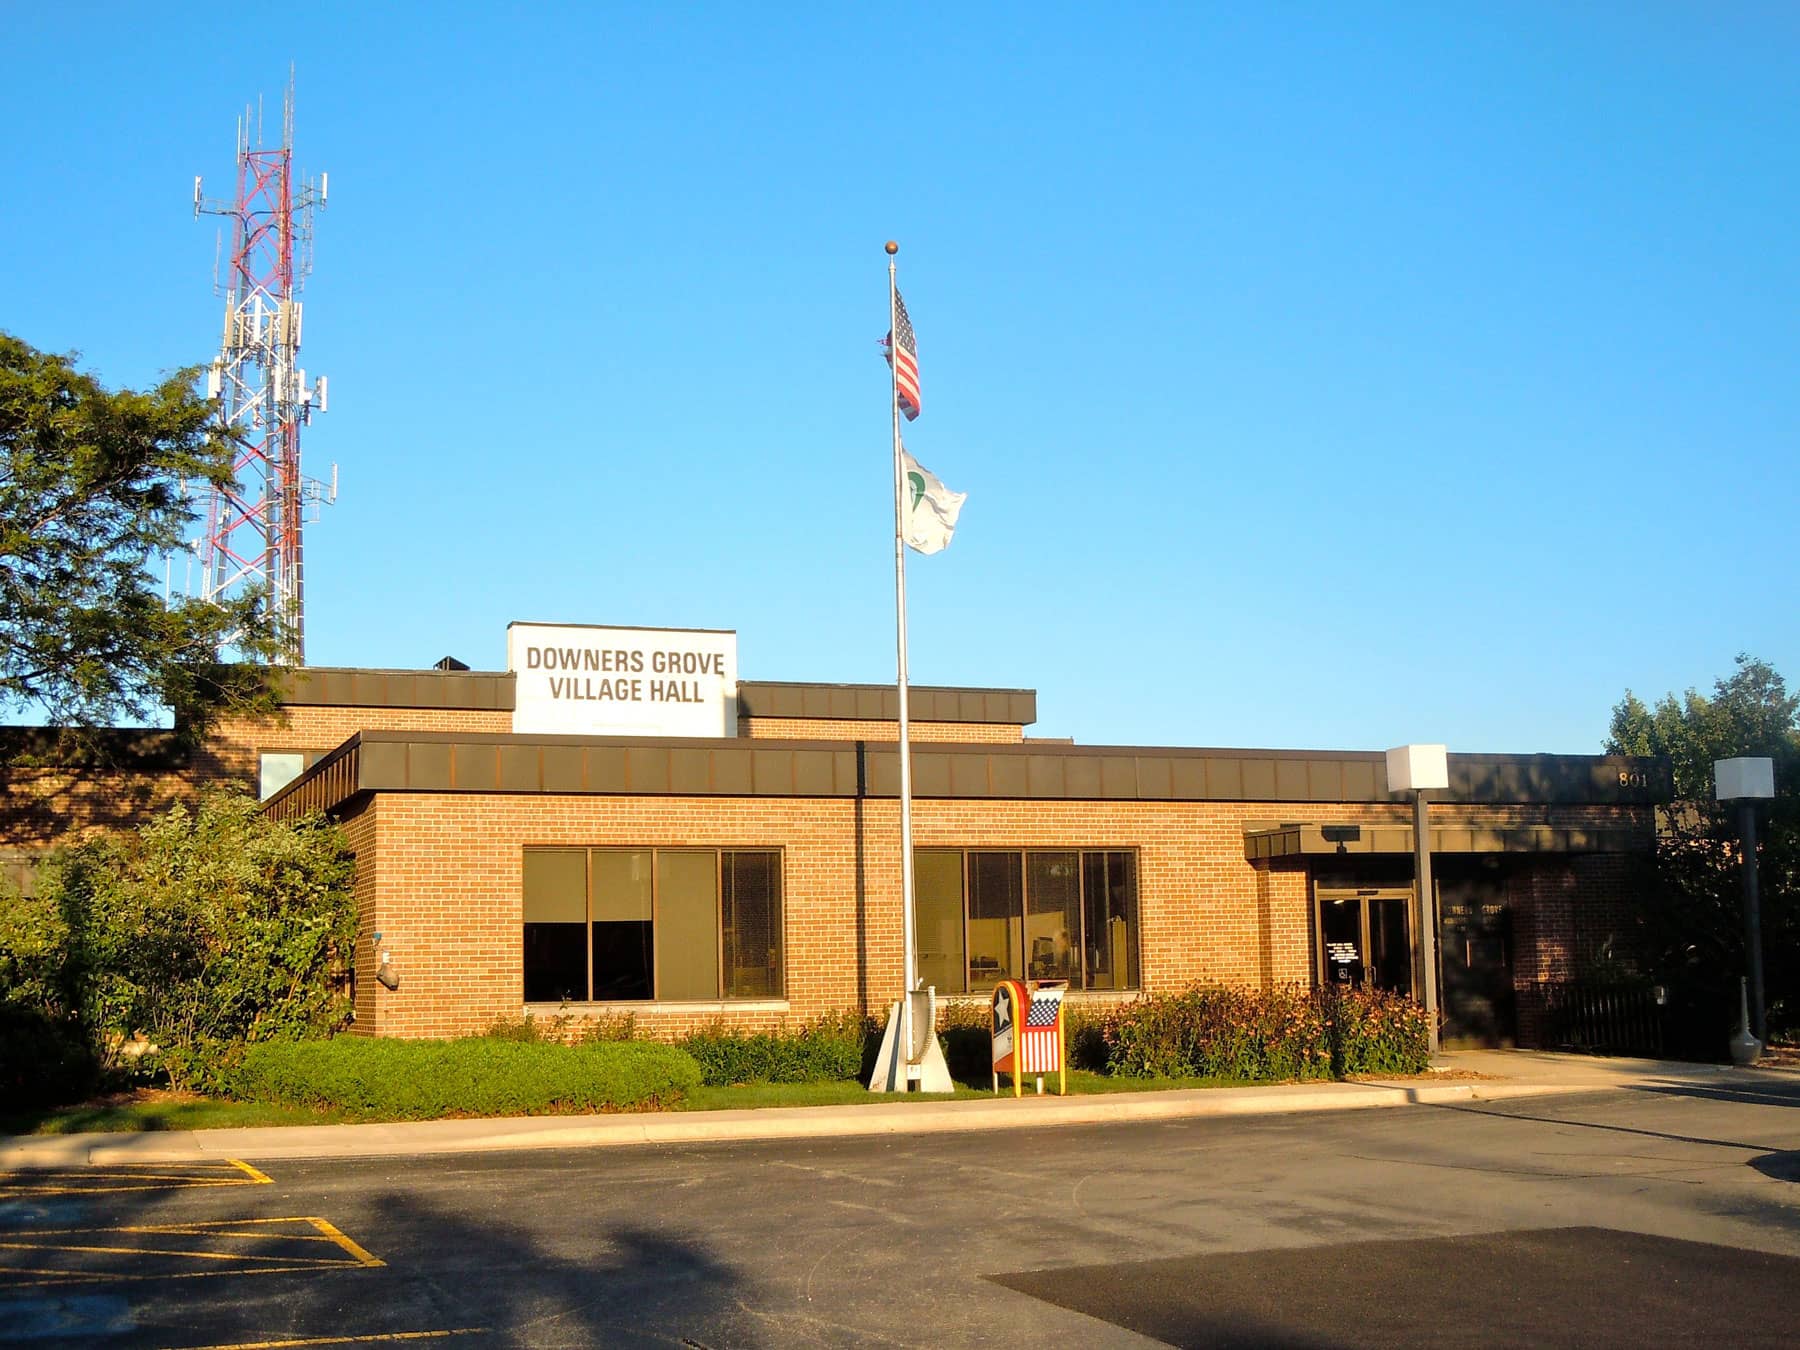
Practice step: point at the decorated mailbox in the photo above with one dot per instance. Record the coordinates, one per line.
(1027, 1025)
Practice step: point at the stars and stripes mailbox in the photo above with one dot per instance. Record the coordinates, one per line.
(1027, 1025)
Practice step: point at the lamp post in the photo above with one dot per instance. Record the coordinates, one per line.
(1420, 769)
(1747, 782)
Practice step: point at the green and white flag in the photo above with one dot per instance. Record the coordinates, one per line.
(931, 508)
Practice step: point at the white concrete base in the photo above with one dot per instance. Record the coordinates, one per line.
(925, 1066)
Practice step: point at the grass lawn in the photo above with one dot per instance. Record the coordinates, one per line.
(751, 1096)
(151, 1110)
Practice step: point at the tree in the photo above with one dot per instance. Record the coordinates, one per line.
(1750, 713)
(91, 487)
(1692, 922)
(210, 928)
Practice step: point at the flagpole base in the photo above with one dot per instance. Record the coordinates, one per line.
(923, 1071)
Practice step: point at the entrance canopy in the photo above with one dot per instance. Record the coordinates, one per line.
(1311, 839)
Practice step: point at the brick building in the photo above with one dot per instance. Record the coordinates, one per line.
(752, 875)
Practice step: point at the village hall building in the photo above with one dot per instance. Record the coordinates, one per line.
(617, 823)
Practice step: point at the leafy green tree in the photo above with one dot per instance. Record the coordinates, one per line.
(1692, 923)
(90, 490)
(1750, 712)
(210, 928)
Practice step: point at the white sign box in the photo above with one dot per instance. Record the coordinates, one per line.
(1412, 767)
(1743, 779)
(579, 680)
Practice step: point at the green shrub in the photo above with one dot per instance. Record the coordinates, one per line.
(965, 1035)
(475, 1076)
(827, 1049)
(42, 1062)
(1084, 1037)
(566, 1028)
(1289, 1033)
(210, 928)
(1377, 1033)
(599, 1028)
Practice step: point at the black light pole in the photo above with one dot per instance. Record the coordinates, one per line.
(1746, 782)
(1419, 769)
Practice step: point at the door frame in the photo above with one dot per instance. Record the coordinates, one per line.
(1324, 894)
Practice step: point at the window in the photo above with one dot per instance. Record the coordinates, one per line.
(276, 769)
(938, 918)
(985, 915)
(1109, 919)
(605, 924)
(750, 923)
(996, 917)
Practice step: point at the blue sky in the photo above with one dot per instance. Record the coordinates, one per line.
(1320, 375)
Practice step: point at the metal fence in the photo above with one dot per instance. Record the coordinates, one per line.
(1603, 1019)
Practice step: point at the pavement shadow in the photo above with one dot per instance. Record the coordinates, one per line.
(593, 1284)
(469, 1276)
(1573, 1124)
(1783, 1166)
(1777, 1164)
(1776, 1091)
(1533, 1287)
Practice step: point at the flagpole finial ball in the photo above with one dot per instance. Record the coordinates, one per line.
(892, 248)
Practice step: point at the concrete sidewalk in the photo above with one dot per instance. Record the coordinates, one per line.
(1502, 1075)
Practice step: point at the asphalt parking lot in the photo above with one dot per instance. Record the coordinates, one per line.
(1651, 1217)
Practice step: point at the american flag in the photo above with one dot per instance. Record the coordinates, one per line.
(907, 372)
(1040, 1039)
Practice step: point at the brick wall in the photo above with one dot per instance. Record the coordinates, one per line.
(448, 892)
(835, 729)
(1568, 915)
(232, 748)
(440, 875)
(41, 807)
(38, 807)
(361, 839)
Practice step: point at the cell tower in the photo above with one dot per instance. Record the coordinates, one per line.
(254, 525)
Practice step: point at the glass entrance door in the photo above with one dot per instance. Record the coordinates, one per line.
(1365, 938)
(1342, 944)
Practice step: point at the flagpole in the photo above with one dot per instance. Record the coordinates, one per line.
(909, 957)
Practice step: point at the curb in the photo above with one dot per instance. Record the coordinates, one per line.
(769, 1124)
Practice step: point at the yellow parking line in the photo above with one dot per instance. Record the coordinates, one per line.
(154, 1251)
(347, 1340)
(362, 1254)
(196, 1228)
(15, 1191)
(65, 1181)
(233, 1232)
(57, 1279)
(226, 1262)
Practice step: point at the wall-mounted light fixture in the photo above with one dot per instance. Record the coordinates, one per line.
(385, 974)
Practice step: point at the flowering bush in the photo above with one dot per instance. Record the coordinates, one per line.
(1290, 1033)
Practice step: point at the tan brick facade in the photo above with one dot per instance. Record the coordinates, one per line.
(448, 885)
(830, 729)
(439, 873)
(38, 806)
(41, 807)
(235, 743)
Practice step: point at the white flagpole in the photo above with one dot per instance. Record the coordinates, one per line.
(909, 958)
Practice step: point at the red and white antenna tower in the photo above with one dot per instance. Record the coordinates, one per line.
(254, 525)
